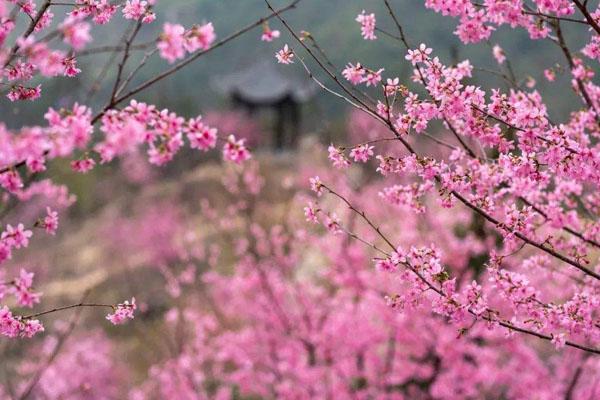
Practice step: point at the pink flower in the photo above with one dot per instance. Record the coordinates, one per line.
(76, 33)
(391, 87)
(200, 37)
(11, 181)
(332, 223)
(362, 153)
(16, 237)
(549, 74)
(122, 312)
(385, 265)
(5, 251)
(269, 35)
(235, 150)
(83, 165)
(134, 9)
(22, 289)
(310, 212)
(149, 17)
(499, 54)
(171, 42)
(337, 157)
(19, 92)
(201, 136)
(354, 73)
(31, 327)
(558, 340)
(373, 77)
(9, 326)
(419, 55)
(285, 55)
(367, 25)
(316, 185)
(51, 221)
(70, 65)
(20, 70)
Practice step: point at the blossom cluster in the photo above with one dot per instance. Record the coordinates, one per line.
(530, 188)
(175, 40)
(367, 25)
(70, 132)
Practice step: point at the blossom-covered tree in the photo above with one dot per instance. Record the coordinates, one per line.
(451, 252)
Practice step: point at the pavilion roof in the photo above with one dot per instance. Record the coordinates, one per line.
(265, 82)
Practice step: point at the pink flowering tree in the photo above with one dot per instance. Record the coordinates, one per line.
(529, 182)
(448, 248)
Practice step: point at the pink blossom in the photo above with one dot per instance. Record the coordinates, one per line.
(135, 9)
(83, 165)
(337, 157)
(201, 136)
(122, 312)
(362, 153)
(316, 185)
(559, 340)
(269, 35)
(22, 290)
(11, 181)
(50, 221)
(19, 92)
(385, 265)
(354, 73)
(171, 43)
(367, 25)
(499, 54)
(373, 77)
(332, 223)
(16, 237)
(70, 65)
(310, 212)
(30, 327)
(200, 37)
(76, 33)
(285, 55)
(419, 55)
(235, 150)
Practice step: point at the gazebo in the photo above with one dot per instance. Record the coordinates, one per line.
(267, 85)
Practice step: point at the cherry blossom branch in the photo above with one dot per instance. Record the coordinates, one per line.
(337, 94)
(541, 246)
(528, 11)
(470, 152)
(328, 61)
(192, 58)
(489, 312)
(168, 72)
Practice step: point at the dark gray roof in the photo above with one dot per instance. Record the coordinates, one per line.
(266, 81)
